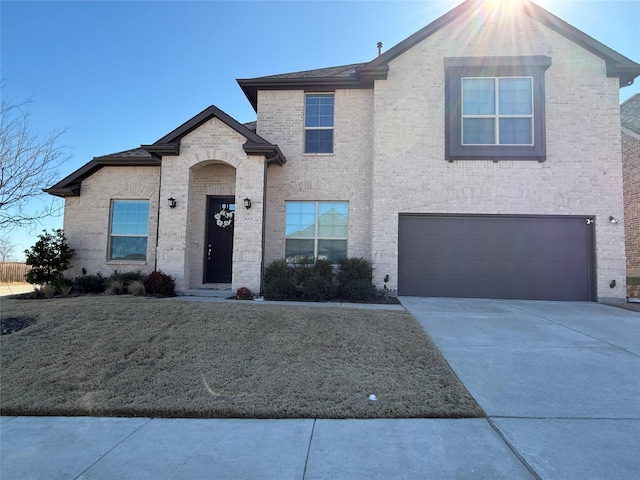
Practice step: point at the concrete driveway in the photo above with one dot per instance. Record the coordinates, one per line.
(559, 381)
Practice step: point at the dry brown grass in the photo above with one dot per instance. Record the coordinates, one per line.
(133, 356)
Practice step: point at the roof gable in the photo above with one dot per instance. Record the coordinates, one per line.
(70, 185)
(255, 144)
(362, 75)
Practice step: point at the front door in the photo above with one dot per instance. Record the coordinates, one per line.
(219, 240)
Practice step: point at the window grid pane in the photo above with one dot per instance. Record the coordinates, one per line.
(318, 123)
(497, 111)
(316, 229)
(478, 96)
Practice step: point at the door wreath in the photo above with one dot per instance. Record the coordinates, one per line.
(224, 218)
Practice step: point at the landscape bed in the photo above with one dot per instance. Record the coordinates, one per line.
(135, 356)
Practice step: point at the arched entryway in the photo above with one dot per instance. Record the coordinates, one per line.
(211, 224)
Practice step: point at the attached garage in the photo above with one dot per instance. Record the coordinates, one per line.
(497, 256)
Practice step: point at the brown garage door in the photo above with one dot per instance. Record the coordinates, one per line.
(487, 256)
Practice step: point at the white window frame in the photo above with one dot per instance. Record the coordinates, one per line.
(497, 116)
(112, 235)
(332, 127)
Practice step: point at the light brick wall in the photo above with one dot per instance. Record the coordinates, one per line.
(581, 176)
(87, 218)
(631, 175)
(344, 175)
(212, 150)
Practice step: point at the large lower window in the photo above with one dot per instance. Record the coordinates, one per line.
(318, 123)
(495, 108)
(316, 230)
(129, 230)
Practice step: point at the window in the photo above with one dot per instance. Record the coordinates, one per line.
(495, 108)
(316, 230)
(318, 123)
(129, 230)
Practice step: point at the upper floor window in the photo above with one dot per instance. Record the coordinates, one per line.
(318, 123)
(129, 230)
(497, 111)
(495, 108)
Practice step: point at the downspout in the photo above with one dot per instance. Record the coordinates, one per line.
(155, 257)
(264, 217)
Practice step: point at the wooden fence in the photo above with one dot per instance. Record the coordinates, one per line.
(11, 272)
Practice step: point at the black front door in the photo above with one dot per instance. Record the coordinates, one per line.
(219, 241)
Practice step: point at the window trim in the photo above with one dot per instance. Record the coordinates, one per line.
(332, 127)
(457, 68)
(111, 234)
(316, 238)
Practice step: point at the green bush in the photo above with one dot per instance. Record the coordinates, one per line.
(49, 258)
(355, 276)
(279, 281)
(358, 291)
(354, 269)
(158, 283)
(317, 283)
(114, 287)
(127, 277)
(318, 288)
(89, 283)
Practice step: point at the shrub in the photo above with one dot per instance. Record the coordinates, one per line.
(279, 281)
(158, 283)
(89, 283)
(354, 269)
(114, 287)
(127, 277)
(243, 293)
(136, 288)
(317, 284)
(48, 290)
(318, 288)
(65, 289)
(358, 291)
(355, 276)
(49, 258)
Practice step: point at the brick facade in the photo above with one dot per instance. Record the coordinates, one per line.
(87, 217)
(388, 159)
(631, 184)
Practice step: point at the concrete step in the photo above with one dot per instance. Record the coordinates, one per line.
(205, 292)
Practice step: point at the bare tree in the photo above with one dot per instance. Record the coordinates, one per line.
(6, 248)
(27, 165)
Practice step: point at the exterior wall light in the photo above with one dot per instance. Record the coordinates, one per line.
(247, 203)
(172, 202)
(613, 219)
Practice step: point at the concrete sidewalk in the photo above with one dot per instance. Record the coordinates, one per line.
(559, 382)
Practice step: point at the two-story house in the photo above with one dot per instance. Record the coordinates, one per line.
(480, 157)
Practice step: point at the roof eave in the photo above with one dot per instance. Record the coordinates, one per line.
(250, 86)
(71, 184)
(272, 153)
(626, 73)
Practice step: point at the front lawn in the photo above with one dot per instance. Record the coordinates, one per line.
(136, 356)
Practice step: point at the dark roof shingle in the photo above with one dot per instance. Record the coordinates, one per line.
(630, 114)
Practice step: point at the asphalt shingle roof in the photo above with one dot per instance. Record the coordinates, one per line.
(630, 114)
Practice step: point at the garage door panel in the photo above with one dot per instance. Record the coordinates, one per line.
(496, 257)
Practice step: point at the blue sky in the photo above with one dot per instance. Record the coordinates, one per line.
(117, 74)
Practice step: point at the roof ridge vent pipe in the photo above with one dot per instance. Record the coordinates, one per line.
(379, 45)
